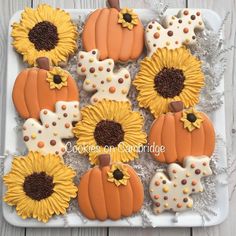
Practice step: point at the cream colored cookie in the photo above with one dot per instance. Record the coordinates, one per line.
(46, 137)
(173, 192)
(101, 79)
(175, 31)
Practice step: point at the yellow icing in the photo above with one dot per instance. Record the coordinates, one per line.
(67, 34)
(63, 190)
(133, 15)
(57, 71)
(179, 58)
(124, 171)
(131, 122)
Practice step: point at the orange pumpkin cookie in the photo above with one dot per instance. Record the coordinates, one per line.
(40, 88)
(181, 133)
(110, 191)
(117, 33)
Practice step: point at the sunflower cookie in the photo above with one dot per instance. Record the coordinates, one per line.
(117, 33)
(46, 137)
(175, 31)
(110, 191)
(169, 75)
(182, 132)
(44, 32)
(101, 78)
(39, 186)
(110, 127)
(41, 87)
(173, 192)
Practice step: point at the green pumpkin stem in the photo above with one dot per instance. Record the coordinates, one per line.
(104, 160)
(114, 4)
(176, 106)
(43, 63)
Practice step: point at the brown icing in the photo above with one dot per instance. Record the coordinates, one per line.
(168, 131)
(100, 199)
(114, 4)
(43, 63)
(32, 93)
(103, 32)
(176, 106)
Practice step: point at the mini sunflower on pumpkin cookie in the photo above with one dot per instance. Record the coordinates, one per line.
(57, 78)
(166, 76)
(110, 127)
(39, 186)
(128, 18)
(44, 32)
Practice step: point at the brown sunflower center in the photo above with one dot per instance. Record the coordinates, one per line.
(57, 79)
(127, 17)
(169, 82)
(191, 117)
(44, 36)
(118, 175)
(38, 186)
(108, 133)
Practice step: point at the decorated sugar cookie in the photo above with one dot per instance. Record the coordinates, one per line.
(175, 31)
(117, 33)
(41, 87)
(169, 75)
(44, 32)
(110, 191)
(110, 127)
(101, 78)
(46, 137)
(39, 186)
(182, 132)
(172, 191)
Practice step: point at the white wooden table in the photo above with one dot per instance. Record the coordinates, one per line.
(228, 228)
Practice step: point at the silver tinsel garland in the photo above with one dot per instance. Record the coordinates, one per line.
(210, 50)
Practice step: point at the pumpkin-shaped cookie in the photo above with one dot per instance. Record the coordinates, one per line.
(41, 87)
(110, 191)
(181, 133)
(117, 33)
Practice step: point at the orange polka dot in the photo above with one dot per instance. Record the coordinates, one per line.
(112, 89)
(83, 69)
(40, 144)
(186, 30)
(67, 125)
(63, 107)
(100, 68)
(126, 76)
(45, 112)
(185, 12)
(179, 205)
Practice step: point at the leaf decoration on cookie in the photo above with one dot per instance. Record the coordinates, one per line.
(101, 78)
(173, 192)
(47, 137)
(175, 31)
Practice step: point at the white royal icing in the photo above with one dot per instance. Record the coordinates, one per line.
(101, 78)
(173, 192)
(175, 31)
(46, 137)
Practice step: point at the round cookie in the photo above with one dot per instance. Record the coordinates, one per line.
(46, 136)
(39, 186)
(101, 78)
(182, 133)
(169, 75)
(45, 32)
(175, 31)
(172, 191)
(41, 87)
(110, 191)
(117, 33)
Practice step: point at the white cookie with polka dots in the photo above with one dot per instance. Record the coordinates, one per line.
(101, 79)
(46, 137)
(175, 31)
(173, 192)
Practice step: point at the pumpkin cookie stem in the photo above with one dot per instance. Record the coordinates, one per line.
(104, 160)
(114, 4)
(176, 106)
(43, 63)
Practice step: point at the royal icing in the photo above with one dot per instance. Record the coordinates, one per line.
(101, 79)
(175, 31)
(46, 137)
(173, 192)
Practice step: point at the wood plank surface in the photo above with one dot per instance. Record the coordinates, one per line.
(228, 228)
(222, 8)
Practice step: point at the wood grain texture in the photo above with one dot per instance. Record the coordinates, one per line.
(7, 9)
(222, 7)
